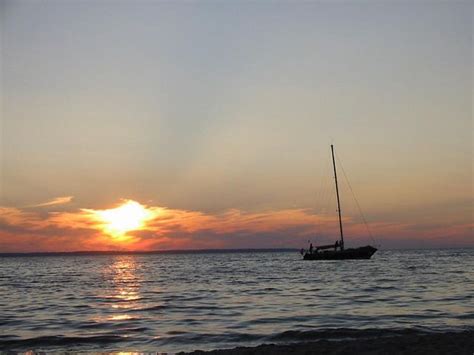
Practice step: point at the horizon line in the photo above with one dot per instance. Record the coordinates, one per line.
(184, 251)
(164, 251)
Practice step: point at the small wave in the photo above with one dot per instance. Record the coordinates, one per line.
(135, 329)
(176, 332)
(115, 299)
(94, 325)
(466, 316)
(339, 333)
(45, 341)
(148, 309)
(203, 338)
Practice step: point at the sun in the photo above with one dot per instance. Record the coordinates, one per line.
(129, 216)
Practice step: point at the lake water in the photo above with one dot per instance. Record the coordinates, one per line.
(183, 302)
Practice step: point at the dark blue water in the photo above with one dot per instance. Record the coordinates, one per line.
(174, 302)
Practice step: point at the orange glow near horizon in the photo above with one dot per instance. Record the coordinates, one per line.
(117, 222)
(130, 225)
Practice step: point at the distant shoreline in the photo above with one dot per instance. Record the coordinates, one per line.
(185, 251)
(127, 252)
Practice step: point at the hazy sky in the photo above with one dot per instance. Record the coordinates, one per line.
(211, 106)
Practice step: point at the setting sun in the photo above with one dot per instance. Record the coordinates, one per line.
(129, 216)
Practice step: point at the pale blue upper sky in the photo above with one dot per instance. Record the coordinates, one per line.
(212, 105)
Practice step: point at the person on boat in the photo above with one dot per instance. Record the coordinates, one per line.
(311, 248)
(336, 245)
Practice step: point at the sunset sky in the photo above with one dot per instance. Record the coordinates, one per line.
(209, 123)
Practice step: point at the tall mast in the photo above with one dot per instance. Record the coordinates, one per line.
(337, 194)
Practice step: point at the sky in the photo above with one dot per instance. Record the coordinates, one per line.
(214, 119)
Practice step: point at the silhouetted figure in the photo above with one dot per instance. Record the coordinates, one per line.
(311, 248)
(336, 245)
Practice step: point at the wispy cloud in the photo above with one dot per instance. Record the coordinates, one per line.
(56, 201)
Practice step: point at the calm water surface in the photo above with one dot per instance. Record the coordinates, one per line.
(175, 302)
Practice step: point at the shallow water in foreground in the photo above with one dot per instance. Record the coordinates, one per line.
(182, 302)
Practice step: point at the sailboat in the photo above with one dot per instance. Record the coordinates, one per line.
(337, 251)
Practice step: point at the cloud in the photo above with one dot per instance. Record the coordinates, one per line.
(29, 230)
(56, 201)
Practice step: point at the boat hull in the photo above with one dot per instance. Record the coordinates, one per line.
(346, 254)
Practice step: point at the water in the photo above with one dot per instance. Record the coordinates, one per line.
(182, 302)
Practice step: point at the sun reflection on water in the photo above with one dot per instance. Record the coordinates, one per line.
(123, 290)
(120, 317)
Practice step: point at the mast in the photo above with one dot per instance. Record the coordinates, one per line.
(337, 194)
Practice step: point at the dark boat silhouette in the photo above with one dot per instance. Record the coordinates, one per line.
(337, 251)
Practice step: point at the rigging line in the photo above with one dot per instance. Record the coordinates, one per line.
(321, 198)
(327, 190)
(330, 191)
(318, 204)
(355, 199)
